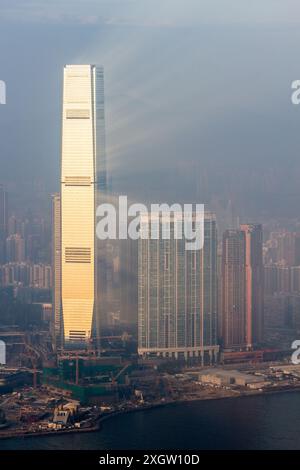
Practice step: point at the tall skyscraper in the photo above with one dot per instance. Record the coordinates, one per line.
(219, 294)
(3, 222)
(129, 281)
(177, 294)
(56, 271)
(15, 249)
(271, 279)
(288, 248)
(83, 172)
(254, 283)
(233, 290)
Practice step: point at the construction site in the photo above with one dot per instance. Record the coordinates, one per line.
(90, 379)
(42, 392)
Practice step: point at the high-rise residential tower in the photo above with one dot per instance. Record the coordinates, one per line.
(56, 326)
(233, 290)
(254, 283)
(15, 249)
(83, 173)
(288, 248)
(3, 222)
(177, 294)
(129, 281)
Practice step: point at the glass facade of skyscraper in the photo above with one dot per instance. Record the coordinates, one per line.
(83, 174)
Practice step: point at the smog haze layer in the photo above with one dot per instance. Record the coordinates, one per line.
(197, 102)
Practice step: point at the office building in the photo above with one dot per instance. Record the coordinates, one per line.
(83, 172)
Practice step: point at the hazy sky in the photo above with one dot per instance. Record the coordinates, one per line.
(197, 96)
(150, 12)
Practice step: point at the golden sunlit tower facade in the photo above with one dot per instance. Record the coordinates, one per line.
(82, 174)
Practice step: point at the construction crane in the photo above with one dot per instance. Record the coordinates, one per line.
(33, 355)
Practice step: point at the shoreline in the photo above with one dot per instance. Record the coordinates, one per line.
(101, 419)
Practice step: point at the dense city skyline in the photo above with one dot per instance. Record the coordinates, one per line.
(238, 144)
(149, 228)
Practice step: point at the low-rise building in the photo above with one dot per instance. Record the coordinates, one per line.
(227, 377)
